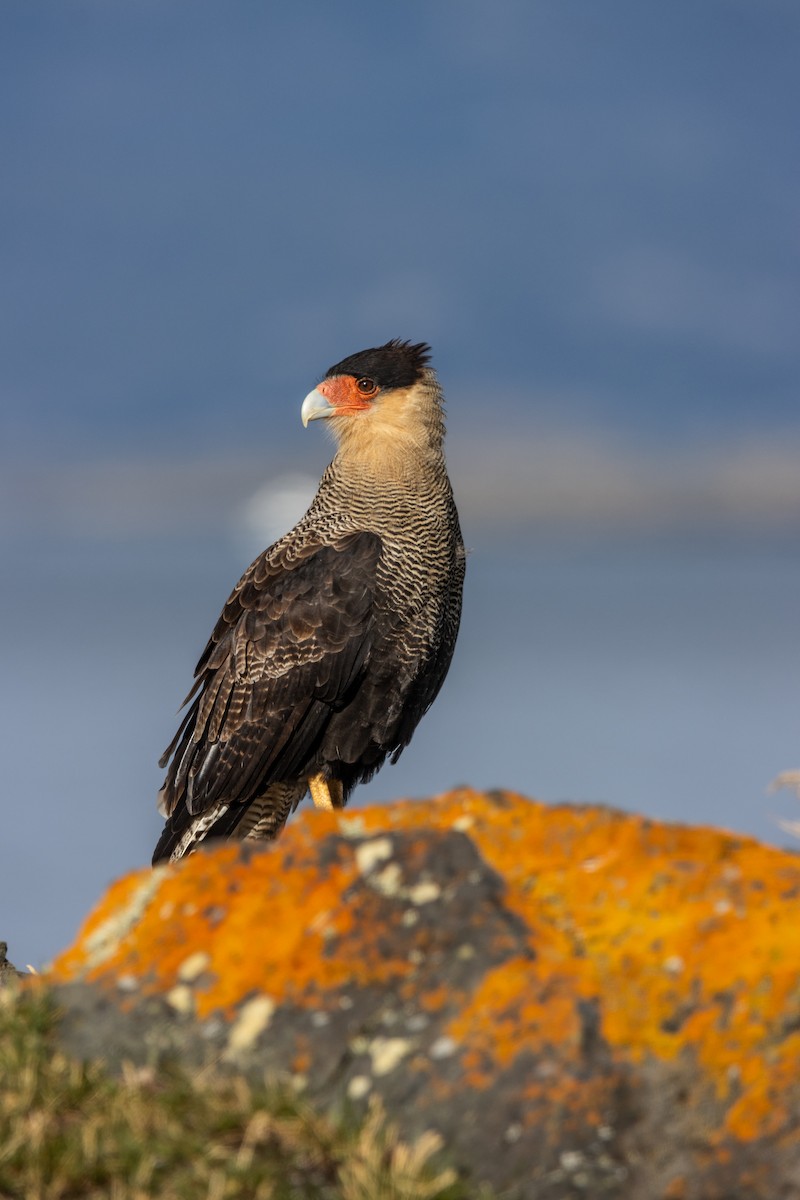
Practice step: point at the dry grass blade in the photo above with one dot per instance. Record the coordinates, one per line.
(69, 1131)
(380, 1167)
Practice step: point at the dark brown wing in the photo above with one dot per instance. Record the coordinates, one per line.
(287, 652)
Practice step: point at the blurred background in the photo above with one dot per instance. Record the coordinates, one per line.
(590, 211)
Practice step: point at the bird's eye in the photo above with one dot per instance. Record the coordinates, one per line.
(366, 386)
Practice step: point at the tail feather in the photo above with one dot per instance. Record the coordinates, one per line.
(262, 819)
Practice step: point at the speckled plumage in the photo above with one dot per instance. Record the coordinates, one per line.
(338, 637)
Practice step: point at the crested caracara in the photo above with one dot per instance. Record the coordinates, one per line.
(337, 638)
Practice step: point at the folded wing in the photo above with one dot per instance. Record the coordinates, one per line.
(288, 652)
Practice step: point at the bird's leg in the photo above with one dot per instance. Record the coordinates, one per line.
(326, 793)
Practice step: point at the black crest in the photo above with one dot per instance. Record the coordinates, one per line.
(395, 365)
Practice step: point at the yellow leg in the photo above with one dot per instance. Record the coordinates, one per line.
(326, 793)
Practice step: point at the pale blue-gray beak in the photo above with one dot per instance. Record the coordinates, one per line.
(315, 406)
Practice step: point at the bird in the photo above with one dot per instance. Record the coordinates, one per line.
(337, 638)
(8, 971)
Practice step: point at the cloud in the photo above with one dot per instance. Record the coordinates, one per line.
(275, 507)
(595, 482)
(553, 480)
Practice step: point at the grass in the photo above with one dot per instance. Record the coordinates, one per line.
(69, 1129)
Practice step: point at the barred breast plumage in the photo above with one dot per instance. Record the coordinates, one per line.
(337, 639)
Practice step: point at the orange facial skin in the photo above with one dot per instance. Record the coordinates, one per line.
(347, 394)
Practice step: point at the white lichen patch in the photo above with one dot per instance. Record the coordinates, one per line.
(462, 824)
(358, 1087)
(352, 827)
(386, 1053)
(369, 854)
(103, 943)
(389, 881)
(571, 1160)
(443, 1047)
(417, 1022)
(424, 893)
(193, 967)
(181, 998)
(253, 1019)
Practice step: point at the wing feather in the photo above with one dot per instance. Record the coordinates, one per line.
(290, 646)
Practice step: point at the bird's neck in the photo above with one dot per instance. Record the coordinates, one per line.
(400, 437)
(399, 460)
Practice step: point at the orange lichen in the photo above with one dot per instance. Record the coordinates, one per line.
(274, 936)
(520, 1004)
(686, 938)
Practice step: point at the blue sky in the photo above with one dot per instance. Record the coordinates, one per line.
(589, 210)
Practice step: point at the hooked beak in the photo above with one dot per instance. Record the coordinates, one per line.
(316, 406)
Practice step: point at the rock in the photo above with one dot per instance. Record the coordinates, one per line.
(582, 1002)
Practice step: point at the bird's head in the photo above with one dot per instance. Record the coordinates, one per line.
(387, 394)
